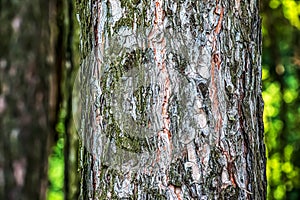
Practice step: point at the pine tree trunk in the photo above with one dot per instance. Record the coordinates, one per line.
(171, 100)
(24, 99)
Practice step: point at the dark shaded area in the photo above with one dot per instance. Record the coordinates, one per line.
(37, 72)
(25, 116)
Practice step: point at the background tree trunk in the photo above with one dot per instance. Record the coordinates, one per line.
(171, 100)
(27, 103)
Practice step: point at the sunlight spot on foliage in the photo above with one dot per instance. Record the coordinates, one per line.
(60, 146)
(287, 167)
(264, 30)
(279, 192)
(274, 4)
(268, 170)
(288, 150)
(273, 128)
(272, 111)
(265, 74)
(272, 141)
(292, 175)
(291, 10)
(272, 93)
(55, 195)
(60, 127)
(290, 95)
(56, 171)
(62, 113)
(278, 124)
(275, 170)
(272, 99)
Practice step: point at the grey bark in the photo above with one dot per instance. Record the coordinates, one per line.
(171, 100)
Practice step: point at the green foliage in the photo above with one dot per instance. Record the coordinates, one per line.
(56, 173)
(281, 24)
(56, 163)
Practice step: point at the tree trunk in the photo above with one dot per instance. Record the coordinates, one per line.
(171, 100)
(25, 117)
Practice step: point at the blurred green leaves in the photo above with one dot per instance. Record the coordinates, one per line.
(291, 10)
(280, 75)
(56, 163)
(56, 172)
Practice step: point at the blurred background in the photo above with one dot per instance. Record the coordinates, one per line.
(280, 75)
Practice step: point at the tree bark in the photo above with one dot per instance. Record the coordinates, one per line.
(171, 100)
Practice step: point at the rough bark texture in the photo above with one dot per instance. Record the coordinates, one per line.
(171, 100)
(24, 99)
